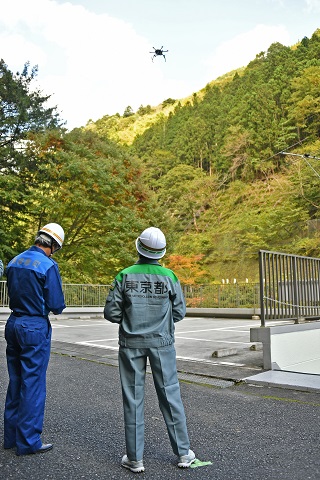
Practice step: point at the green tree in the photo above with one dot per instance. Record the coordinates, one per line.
(168, 101)
(236, 150)
(305, 100)
(22, 113)
(95, 190)
(144, 110)
(22, 110)
(128, 111)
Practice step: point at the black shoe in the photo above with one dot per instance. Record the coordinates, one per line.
(44, 448)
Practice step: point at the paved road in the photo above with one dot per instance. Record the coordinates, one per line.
(246, 432)
(196, 340)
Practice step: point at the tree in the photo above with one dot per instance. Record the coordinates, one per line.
(144, 110)
(305, 100)
(187, 268)
(235, 149)
(169, 101)
(95, 190)
(22, 113)
(128, 111)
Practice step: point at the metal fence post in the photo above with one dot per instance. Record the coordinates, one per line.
(295, 290)
(262, 286)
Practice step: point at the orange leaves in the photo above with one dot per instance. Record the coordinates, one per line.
(187, 268)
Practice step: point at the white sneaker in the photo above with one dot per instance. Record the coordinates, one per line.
(135, 467)
(186, 460)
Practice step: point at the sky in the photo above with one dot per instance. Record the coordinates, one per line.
(94, 59)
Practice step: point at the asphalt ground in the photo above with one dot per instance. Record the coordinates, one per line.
(196, 340)
(245, 431)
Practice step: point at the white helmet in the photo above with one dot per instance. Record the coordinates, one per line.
(55, 231)
(151, 243)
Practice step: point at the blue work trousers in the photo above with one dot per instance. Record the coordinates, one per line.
(28, 351)
(132, 366)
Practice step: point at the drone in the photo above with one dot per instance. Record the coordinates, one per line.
(159, 51)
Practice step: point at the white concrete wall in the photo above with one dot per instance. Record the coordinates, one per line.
(292, 348)
(297, 351)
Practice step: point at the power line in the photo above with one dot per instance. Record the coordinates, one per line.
(304, 156)
(299, 142)
(291, 146)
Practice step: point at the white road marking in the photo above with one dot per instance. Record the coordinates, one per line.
(236, 331)
(224, 329)
(89, 344)
(212, 340)
(57, 325)
(100, 340)
(214, 330)
(233, 364)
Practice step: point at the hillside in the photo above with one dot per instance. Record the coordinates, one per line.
(124, 129)
(213, 161)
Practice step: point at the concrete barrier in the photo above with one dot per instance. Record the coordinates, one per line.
(69, 311)
(191, 312)
(291, 348)
(223, 312)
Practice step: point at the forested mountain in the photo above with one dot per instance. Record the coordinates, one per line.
(215, 165)
(209, 170)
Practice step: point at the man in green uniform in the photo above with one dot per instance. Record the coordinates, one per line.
(146, 300)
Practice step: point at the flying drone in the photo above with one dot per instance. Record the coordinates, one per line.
(159, 51)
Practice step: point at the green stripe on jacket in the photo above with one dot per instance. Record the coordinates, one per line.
(147, 268)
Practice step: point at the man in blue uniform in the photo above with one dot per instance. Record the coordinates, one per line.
(146, 300)
(35, 289)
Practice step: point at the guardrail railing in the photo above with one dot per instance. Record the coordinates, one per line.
(201, 296)
(289, 286)
(237, 295)
(81, 295)
(76, 295)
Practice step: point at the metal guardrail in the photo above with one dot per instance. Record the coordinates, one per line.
(81, 295)
(4, 300)
(237, 295)
(289, 286)
(76, 295)
(197, 296)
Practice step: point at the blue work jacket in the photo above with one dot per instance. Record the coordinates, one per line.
(34, 284)
(146, 299)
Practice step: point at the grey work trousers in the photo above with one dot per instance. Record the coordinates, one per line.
(132, 366)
